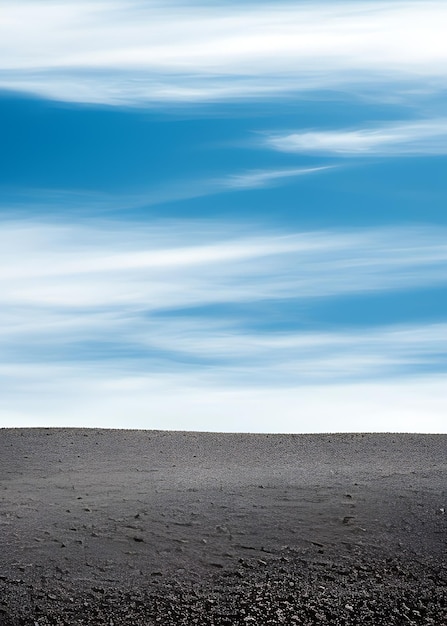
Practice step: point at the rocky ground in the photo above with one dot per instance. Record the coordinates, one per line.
(294, 589)
(142, 528)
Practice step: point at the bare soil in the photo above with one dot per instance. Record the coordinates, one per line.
(114, 527)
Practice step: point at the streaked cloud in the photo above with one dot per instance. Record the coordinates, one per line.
(44, 201)
(307, 356)
(118, 53)
(90, 396)
(108, 291)
(265, 178)
(112, 264)
(425, 137)
(112, 316)
(220, 351)
(95, 328)
(244, 180)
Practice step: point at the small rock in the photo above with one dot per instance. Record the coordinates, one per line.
(223, 530)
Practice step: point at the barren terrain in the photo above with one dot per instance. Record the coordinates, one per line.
(143, 527)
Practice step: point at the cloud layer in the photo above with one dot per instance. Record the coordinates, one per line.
(127, 293)
(86, 396)
(117, 53)
(188, 323)
(424, 137)
(111, 264)
(107, 319)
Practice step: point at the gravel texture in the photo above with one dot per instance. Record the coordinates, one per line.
(140, 528)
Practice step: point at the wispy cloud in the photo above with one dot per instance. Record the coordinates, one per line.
(425, 137)
(107, 291)
(308, 355)
(135, 52)
(109, 264)
(48, 201)
(243, 180)
(92, 396)
(94, 320)
(220, 351)
(265, 178)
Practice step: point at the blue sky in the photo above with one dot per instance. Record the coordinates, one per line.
(223, 216)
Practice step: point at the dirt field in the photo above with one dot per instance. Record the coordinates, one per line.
(143, 527)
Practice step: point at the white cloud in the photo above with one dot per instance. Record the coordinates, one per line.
(218, 348)
(244, 180)
(264, 178)
(84, 203)
(65, 290)
(84, 396)
(116, 52)
(300, 356)
(134, 267)
(151, 268)
(87, 328)
(424, 137)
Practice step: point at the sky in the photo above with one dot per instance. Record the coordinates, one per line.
(224, 216)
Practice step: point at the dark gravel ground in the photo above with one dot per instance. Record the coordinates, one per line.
(137, 528)
(296, 588)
